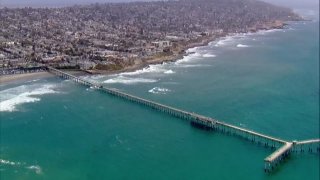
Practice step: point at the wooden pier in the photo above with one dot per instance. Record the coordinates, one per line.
(282, 148)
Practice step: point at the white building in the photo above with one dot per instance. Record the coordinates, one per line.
(161, 44)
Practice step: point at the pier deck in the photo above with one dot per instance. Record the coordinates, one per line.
(276, 157)
(284, 147)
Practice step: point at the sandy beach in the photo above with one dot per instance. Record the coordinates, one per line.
(5, 79)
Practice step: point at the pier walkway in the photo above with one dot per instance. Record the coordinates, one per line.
(282, 148)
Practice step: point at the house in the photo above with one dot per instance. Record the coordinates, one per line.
(161, 44)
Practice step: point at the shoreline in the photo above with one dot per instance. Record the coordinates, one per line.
(14, 78)
(203, 42)
(176, 57)
(8, 79)
(170, 58)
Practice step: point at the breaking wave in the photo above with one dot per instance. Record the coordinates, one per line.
(189, 58)
(158, 90)
(191, 50)
(150, 69)
(158, 68)
(242, 45)
(94, 77)
(194, 65)
(227, 40)
(208, 55)
(11, 98)
(127, 80)
(11, 163)
(232, 38)
(36, 168)
(169, 72)
(263, 32)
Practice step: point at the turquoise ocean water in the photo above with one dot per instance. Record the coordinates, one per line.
(267, 81)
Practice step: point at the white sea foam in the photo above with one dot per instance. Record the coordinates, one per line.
(36, 168)
(35, 80)
(158, 90)
(227, 40)
(189, 58)
(208, 55)
(190, 50)
(158, 68)
(183, 60)
(169, 72)
(242, 45)
(211, 43)
(23, 94)
(93, 77)
(197, 54)
(263, 32)
(127, 80)
(220, 43)
(11, 163)
(194, 65)
(230, 39)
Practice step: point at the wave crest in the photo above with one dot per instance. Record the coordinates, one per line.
(242, 45)
(36, 168)
(169, 72)
(158, 90)
(23, 94)
(126, 80)
(208, 55)
(11, 163)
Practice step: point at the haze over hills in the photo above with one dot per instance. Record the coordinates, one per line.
(36, 3)
(41, 3)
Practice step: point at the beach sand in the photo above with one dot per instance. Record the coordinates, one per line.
(6, 79)
(12, 78)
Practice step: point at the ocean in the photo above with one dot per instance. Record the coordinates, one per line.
(266, 81)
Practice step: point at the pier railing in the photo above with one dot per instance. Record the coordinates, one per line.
(283, 148)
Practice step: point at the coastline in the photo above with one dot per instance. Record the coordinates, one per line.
(6, 79)
(13, 78)
(175, 57)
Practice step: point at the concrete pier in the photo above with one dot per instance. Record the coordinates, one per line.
(283, 147)
(311, 146)
(277, 157)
